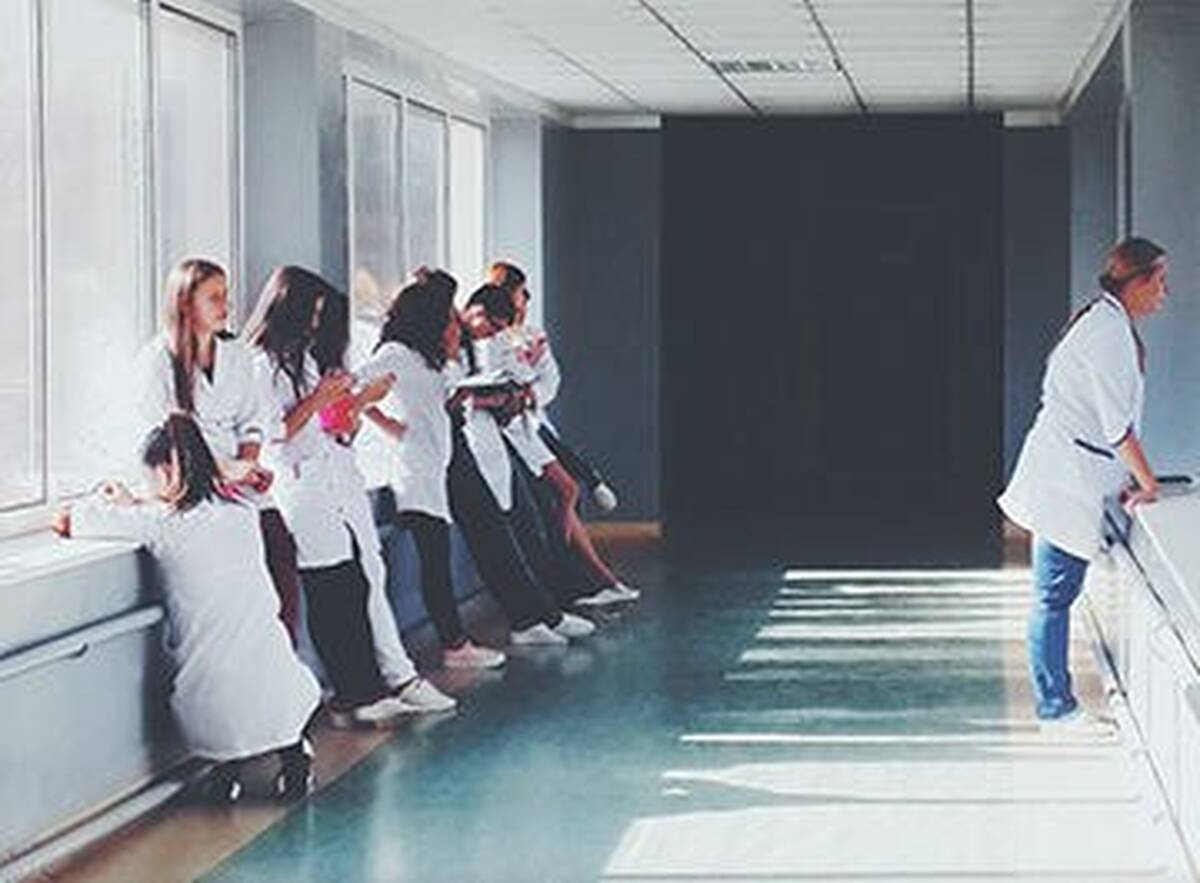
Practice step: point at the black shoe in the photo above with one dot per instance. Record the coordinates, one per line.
(295, 780)
(223, 784)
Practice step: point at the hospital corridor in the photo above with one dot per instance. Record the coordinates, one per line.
(599, 441)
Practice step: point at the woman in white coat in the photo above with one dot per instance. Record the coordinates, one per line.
(498, 345)
(1083, 447)
(419, 335)
(541, 367)
(196, 367)
(301, 325)
(238, 689)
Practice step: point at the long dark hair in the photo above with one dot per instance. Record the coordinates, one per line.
(179, 444)
(418, 316)
(183, 282)
(332, 337)
(282, 323)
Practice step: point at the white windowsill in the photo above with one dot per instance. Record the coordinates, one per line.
(40, 554)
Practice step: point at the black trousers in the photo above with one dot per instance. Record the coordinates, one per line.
(281, 561)
(336, 598)
(432, 538)
(489, 535)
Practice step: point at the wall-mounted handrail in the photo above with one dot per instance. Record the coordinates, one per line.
(77, 644)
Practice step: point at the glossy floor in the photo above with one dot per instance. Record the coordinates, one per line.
(744, 726)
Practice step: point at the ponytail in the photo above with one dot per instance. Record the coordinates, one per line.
(179, 445)
(1129, 259)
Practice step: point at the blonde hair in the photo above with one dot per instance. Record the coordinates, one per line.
(183, 282)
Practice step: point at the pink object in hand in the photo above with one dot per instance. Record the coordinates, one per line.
(337, 417)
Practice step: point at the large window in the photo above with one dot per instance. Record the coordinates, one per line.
(425, 184)
(77, 189)
(417, 194)
(197, 141)
(377, 217)
(95, 201)
(21, 470)
(467, 249)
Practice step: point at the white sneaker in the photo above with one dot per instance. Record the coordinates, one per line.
(627, 592)
(572, 626)
(1077, 723)
(378, 714)
(471, 655)
(605, 497)
(423, 697)
(606, 597)
(539, 633)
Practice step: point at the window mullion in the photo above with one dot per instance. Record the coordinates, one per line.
(40, 243)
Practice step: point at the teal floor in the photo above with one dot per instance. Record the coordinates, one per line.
(737, 727)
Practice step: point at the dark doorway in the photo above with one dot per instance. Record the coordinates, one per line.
(832, 366)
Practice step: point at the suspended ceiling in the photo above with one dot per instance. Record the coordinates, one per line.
(767, 56)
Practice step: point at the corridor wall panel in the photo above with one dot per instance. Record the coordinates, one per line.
(832, 336)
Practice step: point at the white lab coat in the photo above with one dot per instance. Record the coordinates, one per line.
(486, 444)
(417, 464)
(373, 448)
(238, 688)
(1092, 397)
(228, 408)
(324, 501)
(508, 352)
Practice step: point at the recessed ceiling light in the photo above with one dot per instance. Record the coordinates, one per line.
(768, 66)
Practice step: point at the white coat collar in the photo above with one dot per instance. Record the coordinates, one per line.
(1115, 301)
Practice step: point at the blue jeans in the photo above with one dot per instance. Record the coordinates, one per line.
(1057, 580)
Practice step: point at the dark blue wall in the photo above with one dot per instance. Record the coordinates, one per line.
(1165, 192)
(1037, 268)
(602, 220)
(603, 205)
(1095, 131)
(832, 317)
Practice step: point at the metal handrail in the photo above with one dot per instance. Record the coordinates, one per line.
(77, 644)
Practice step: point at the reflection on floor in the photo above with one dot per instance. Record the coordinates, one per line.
(736, 726)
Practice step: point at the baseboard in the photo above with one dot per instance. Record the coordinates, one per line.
(638, 531)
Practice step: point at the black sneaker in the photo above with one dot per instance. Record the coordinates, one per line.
(223, 785)
(295, 780)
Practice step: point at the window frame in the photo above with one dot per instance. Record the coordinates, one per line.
(230, 26)
(33, 516)
(406, 97)
(349, 82)
(485, 183)
(12, 513)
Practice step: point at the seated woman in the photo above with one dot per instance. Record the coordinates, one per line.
(436, 477)
(498, 347)
(238, 688)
